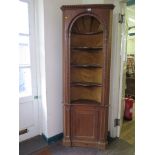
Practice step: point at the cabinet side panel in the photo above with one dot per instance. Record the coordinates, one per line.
(108, 57)
(67, 126)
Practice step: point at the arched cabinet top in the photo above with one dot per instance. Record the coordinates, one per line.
(101, 12)
(88, 23)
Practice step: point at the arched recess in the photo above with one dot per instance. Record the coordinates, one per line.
(87, 58)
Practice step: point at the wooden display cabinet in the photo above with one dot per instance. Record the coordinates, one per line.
(86, 74)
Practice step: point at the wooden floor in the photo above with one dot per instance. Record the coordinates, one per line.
(44, 151)
(128, 130)
(115, 147)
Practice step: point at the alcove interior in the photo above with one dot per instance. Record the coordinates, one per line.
(86, 60)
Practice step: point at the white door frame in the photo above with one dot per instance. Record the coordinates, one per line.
(116, 70)
(35, 129)
(123, 54)
(123, 51)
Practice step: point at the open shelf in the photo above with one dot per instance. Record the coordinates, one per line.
(86, 58)
(83, 48)
(86, 93)
(87, 33)
(86, 74)
(86, 84)
(87, 65)
(84, 101)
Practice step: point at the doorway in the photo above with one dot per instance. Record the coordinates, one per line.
(127, 129)
(28, 99)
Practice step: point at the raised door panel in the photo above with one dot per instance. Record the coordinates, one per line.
(84, 122)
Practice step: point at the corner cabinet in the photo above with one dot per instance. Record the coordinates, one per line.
(86, 74)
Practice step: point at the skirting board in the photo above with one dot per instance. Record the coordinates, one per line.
(53, 139)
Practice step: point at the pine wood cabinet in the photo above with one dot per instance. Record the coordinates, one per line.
(86, 74)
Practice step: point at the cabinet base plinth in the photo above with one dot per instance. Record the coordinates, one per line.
(98, 145)
(66, 142)
(102, 145)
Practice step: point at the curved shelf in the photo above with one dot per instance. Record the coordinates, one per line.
(87, 65)
(86, 48)
(86, 84)
(87, 33)
(84, 101)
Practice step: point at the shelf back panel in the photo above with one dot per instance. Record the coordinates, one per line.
(86, 75)
(83, 93)
(87, 40)
(86, 24)
(87, 57)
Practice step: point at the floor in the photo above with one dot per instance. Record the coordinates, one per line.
(128, 132)
(44, 151)
(32, 145)
(115, 147)
(128, 129)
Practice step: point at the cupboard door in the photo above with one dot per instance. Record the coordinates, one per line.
(84, 123)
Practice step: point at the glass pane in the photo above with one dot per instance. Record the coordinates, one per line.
(25, 88)
(24, 52)
(23, 18)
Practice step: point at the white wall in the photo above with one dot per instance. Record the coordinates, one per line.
(40, 48)
(92, 1)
